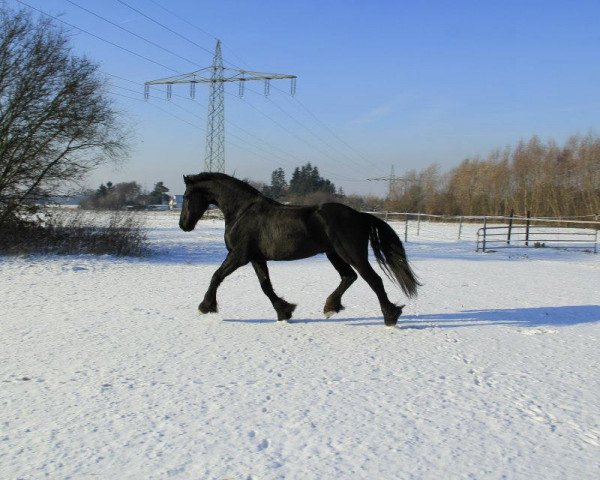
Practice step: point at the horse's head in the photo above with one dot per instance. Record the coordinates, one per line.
(195, 202)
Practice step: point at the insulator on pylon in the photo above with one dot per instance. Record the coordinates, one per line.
(241, 88)
(192, 90)
(146, 92)
(267, 87)
(169, 91)
(293, 87)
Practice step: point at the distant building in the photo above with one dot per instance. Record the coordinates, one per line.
(168, 202)
(178, 201)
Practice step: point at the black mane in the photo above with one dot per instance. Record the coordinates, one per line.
(230, 181)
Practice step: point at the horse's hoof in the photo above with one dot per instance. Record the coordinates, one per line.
(286, 312)
(207, 308)
(330, 310)
(391, 318)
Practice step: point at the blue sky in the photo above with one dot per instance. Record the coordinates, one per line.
(380, 83)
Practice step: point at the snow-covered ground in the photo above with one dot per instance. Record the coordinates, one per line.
(107, 370)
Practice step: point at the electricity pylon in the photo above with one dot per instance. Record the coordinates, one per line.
(216, 75)
(392, 180)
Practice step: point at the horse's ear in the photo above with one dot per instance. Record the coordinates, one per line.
(186, 179)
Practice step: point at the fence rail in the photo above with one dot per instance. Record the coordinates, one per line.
(522, 236)
(500, 231)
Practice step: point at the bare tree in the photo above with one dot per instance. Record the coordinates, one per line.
(544, 178)
(56, 121)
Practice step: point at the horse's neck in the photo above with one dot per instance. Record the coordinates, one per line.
(232, 203)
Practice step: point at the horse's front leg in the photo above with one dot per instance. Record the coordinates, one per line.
(284, 309)
(333, 304)
(230, 265)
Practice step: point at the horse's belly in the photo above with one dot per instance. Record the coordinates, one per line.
(291, 249)
(296, 255)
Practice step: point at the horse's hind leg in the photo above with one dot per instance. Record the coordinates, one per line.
(390, 311)
(284, 309)
(333, 304)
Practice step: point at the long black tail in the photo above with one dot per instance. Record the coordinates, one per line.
(390, 255)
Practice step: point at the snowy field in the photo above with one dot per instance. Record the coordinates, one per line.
(107, 371)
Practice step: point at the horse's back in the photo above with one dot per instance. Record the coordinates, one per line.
(343, 219)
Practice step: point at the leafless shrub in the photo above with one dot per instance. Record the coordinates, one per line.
(75, 232)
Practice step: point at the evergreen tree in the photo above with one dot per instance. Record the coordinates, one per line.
(295, 181)
(306, 179)
(278, 183)
(156, 196)
(102, 190)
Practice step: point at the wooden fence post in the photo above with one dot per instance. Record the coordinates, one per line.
(484, 232)
(418, 223)
(406, 227)
(460, 226)
(527, 224)
(510, 223)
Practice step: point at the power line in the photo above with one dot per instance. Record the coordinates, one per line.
(284, 128)
(332, 132)
(155, 106)
(195, 126)
(166, 28)
(158, 98)
(154, 44)
(95, 36)
(309, 130)
(205, 32)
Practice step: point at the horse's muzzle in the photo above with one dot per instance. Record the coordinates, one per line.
(185, 228)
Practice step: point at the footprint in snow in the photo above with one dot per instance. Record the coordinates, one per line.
(263, 445)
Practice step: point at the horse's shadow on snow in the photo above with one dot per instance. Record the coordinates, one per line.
(563, 316)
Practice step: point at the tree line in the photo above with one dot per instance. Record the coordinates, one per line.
(111, 196)
(545, 178)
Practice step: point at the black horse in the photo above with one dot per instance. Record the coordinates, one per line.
(258, 229)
